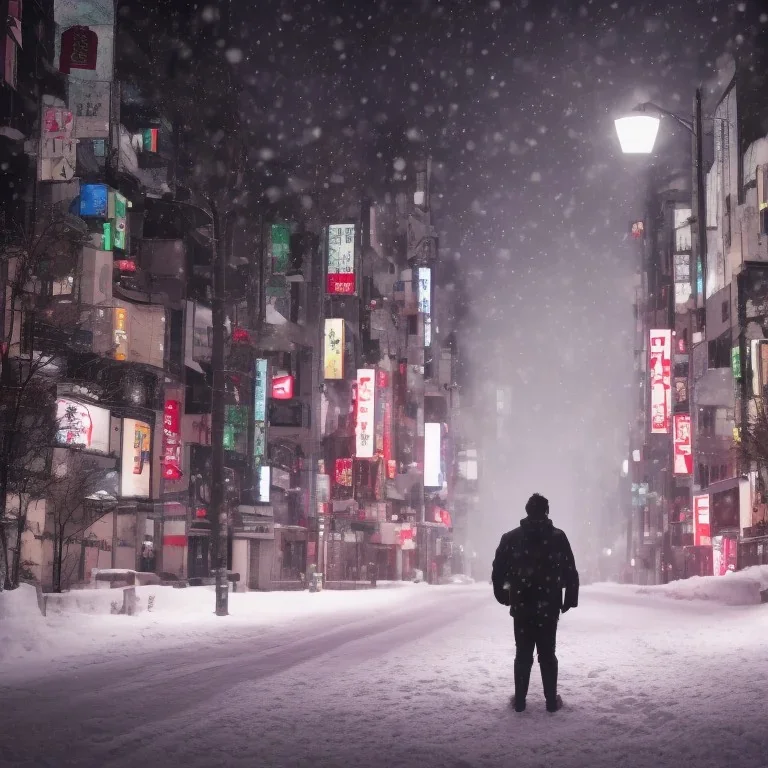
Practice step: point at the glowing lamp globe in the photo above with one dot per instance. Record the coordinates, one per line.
(637, 134)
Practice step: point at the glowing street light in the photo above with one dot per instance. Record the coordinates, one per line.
(637, 133)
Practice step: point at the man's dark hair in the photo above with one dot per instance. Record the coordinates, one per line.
(537, 506)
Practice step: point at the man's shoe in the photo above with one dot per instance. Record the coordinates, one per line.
(518, 705)
(553, 706)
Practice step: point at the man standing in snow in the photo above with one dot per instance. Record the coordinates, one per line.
(533, 564)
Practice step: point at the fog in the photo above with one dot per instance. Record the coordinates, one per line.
(514, 101)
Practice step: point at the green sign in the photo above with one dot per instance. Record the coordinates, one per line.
(107, 241)
(281, 248)
(235, 425)
(121, 221)
(736, 362)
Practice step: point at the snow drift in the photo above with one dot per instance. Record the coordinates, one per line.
(739, 588)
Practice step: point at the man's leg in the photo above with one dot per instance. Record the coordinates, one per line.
(525, 642)
(546, 640)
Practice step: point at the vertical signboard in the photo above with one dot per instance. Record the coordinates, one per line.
(701, 528)
(136, 459)
(660, 373)
(432, 455)
(683, 464)
(364, 429)
(260, 409)
(171, 457)
(265, 483)
(260, 391)
(341, 259)
(333, 358)
(424, 297)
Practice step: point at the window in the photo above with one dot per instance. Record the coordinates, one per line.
(762, 197)
(706, 425)
(719, 350)
(726, 311)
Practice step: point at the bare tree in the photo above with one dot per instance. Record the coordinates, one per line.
(38, 272)
(75, 500)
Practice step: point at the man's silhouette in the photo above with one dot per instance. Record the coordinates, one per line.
(533, 564)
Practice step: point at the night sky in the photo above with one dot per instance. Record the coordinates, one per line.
(515, 103)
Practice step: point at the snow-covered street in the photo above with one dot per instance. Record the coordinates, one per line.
(403, 677)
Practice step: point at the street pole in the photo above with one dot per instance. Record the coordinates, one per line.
(699, 203)
(217, 510)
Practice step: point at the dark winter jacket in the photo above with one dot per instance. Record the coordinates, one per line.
(533, 564)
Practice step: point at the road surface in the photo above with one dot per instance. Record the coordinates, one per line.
(646, 681)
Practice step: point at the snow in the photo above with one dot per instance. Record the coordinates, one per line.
(418, 676)
(80, 625)
(738, 588)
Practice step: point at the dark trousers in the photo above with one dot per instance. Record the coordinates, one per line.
(532, 633)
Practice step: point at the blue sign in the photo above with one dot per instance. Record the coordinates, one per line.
(94, 200)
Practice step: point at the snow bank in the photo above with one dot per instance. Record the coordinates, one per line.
(22, 626)
(739, 588)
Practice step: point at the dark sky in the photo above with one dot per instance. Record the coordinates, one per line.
(515, 102)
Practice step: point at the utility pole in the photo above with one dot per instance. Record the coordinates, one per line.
(217, 510)
(699, 205)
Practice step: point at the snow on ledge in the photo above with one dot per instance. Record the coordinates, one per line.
(739, 588)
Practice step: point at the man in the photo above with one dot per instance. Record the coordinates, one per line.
(533, 564)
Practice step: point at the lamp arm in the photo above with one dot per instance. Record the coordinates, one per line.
(687, 124)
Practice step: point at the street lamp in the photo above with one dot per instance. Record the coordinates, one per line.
(637, 135)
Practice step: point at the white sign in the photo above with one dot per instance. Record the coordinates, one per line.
(89, 101)
(323, 486)
(265, 482)
(58, 147)
(341, 259)
(424, 297)
(432, 436)
(81, 425)
(364, 429)
(136, 461)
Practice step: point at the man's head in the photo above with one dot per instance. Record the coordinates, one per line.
(537, 507)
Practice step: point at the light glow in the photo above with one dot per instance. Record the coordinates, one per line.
(637, 134)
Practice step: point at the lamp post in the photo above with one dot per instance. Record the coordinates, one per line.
(217, 508)
(637, 135)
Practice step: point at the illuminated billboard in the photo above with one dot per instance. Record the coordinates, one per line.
(432, 455)
(81, 425)
(364, 429)
(683, 464)
(171, 456)
(701, 530)
(424, 298)
(260, 391)
(282, 387)
(660, 372)
(333, 357)
(341, 259)
(265, 482)
(136, 460)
